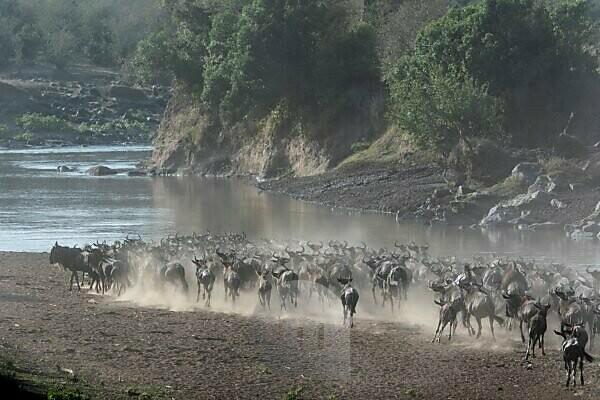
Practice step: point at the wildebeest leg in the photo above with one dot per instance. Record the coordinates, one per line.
(529, 347)
(392, 302)
(542, 345)
(492, 326)
(268, 295)
(77, 280)
(478, 326)
(568, 368)
(521, 330)
(71, 282)
(438, 331)
(373, 290)
(208, 295)
(198, 293)
(580, 370)
(575, 372)
(345, 309)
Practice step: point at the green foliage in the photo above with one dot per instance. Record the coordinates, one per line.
(35, 122)
(523, 60)
(104, 32)
(243, 58)
(439, 108)
(65, 394)
(294, 393)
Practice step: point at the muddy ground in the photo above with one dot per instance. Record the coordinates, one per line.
(382, 187)
(147, 347)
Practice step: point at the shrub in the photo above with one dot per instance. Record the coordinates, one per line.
(36, 122)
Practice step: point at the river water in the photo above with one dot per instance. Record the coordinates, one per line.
(38, 206)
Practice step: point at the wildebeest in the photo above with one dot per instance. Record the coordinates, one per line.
(72, 259)
(264, 289)
(173, 273)
(448, 313)
(573, 352)
(287, 281)
(119, 278)
(480, 305)
(205, 278)
(231, 279)
(349, 299)
(520, 307)
(537, 329)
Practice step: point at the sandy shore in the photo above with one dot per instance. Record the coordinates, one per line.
(122, 349)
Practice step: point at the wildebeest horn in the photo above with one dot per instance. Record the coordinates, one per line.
(396, 244)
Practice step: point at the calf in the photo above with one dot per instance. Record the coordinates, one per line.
(537, 329)
(205, 278)
(264, 289)
(349, 299)
(448, 312)
(573, 352)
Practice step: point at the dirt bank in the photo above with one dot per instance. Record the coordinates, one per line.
(122, 349)
(383, 187)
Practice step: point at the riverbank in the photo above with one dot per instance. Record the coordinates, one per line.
(557, 194)
(119, 350)
(82, 105)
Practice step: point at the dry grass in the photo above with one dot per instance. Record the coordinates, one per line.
(393, 146)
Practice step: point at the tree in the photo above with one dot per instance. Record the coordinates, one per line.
(443, 107)
(529, 55)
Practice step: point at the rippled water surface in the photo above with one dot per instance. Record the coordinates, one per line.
(39, 206)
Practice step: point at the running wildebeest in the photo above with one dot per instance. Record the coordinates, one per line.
(448, 313)
(573, 352)
(206, 280)
(231, 279)
(119, 278)
(349, 300)
(537, 329)
(72, 259)
(173, 273)
(287, 281)
(480, 305)
(520, 307)
(264, 289)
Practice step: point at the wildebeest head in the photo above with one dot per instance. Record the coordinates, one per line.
(54, 253)
(344, 281)
(564, 294)
(200, 264)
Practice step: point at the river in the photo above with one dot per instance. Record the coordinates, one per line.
(39, 206)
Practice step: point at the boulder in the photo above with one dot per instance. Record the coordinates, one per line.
(543, 183)
(516, 210)
(557, 204)
(64, 168)
(527, 172)
(101, 170)
(126, 93)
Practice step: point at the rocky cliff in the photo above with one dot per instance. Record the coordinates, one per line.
(189, 141)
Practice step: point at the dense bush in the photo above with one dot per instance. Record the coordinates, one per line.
(528, 56)
(103, 32)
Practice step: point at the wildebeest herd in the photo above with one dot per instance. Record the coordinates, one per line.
(501, 291)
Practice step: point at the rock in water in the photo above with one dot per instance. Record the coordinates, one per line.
(543, 183)
(101, 170)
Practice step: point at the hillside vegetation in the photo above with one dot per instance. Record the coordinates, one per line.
(332, 77)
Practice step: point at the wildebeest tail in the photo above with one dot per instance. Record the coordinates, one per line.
(499, 320)
(587, 357)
